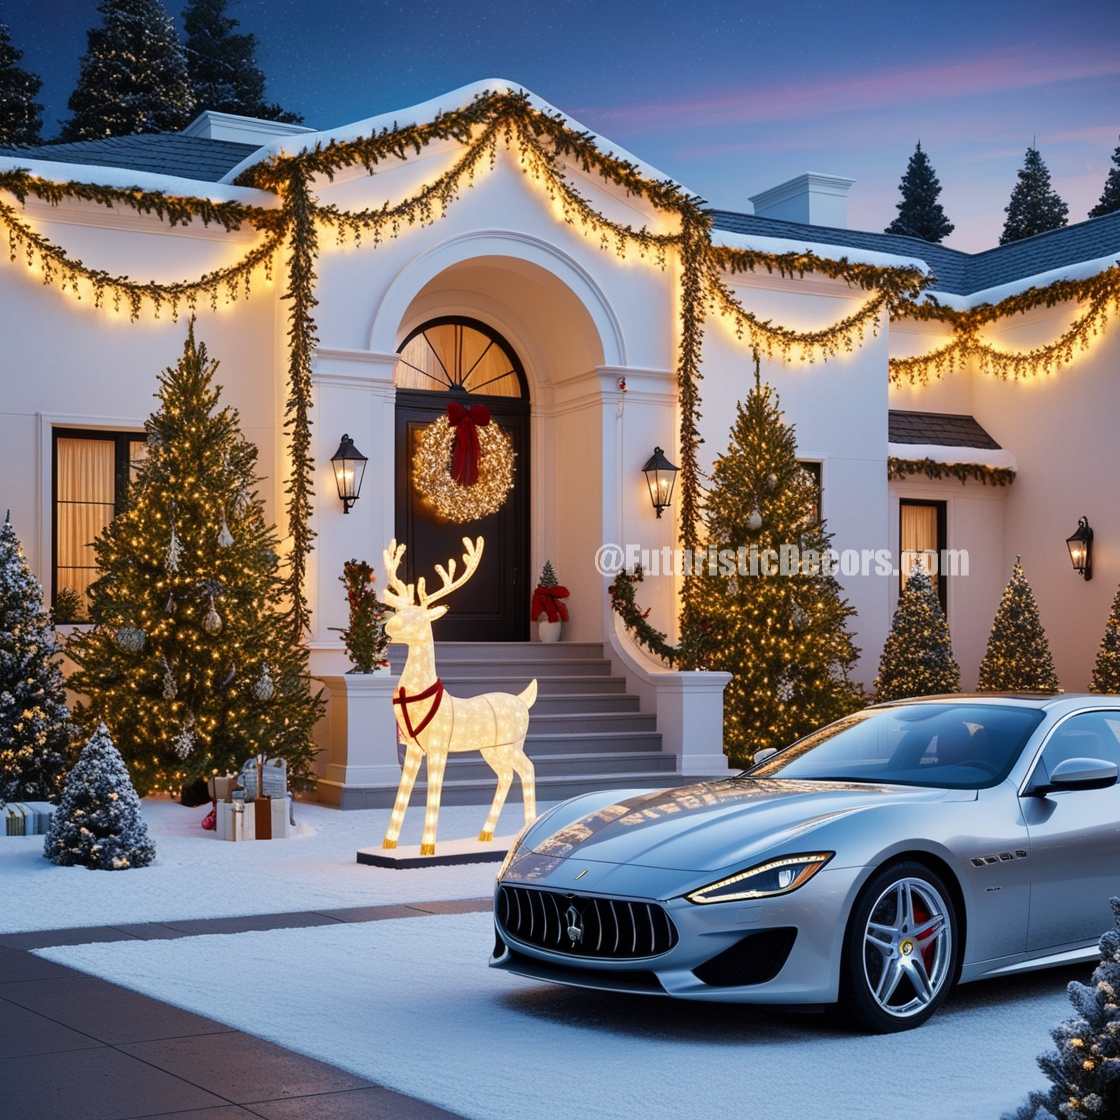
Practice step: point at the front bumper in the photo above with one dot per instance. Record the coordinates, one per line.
(815, 915)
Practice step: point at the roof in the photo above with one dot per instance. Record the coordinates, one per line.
(944, 428)
(164, 153)
(954, 272)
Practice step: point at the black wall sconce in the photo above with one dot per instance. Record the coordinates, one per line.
(660, 477)
(1080, 546)
(349, 470)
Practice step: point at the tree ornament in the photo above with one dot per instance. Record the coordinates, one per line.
(263, 688)
(784, 690)
(229, 678)
(169, 606)
(174, 551)
(170, 688)
(130, 638)
(225, 537)
(186, 740)
(799, 616)
(242, 502)
(212, 621)
(754, 520)
(771, 482)
(445, 453)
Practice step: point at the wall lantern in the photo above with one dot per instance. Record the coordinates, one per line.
(660, 476)
(349, 470)
(1080, 547)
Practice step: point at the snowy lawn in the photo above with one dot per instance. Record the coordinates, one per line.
(411, 1004)
(195, 875)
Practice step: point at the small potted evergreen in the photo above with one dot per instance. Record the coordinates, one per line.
(549, 609)
(365, 638)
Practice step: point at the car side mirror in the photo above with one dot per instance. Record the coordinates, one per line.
(1078, 773)
(763, 755)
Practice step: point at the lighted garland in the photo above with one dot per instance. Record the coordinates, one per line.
(964, 472)
(451, 500)
(624, 603)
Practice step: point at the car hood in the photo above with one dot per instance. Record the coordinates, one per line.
(713, 824)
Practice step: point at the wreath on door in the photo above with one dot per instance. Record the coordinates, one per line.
(463, 465)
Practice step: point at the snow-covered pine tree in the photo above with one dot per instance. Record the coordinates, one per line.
(919, 212)
(1035, 207)
(1110, 196)
(1018, 655)
(917, 658)
(1106, 670)
(133, 76)
(21, 116)
(35, 728)
(98, 823)
(548, 576)
(223, 64)
(1084, 1070)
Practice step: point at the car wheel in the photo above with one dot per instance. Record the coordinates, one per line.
(901, 950)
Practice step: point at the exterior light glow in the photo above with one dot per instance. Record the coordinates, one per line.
(349, 470)
(660, 477)
(1080, 545)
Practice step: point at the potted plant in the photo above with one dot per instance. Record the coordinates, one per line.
(549, 609)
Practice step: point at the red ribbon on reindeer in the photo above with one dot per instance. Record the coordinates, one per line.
(549, 601)
(465, 454)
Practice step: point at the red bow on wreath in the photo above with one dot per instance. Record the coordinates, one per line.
(466, 420)
(549, 601)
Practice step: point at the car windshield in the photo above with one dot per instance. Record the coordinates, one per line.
(947, 746)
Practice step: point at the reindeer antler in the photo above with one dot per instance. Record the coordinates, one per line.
(396, 593)
(472, 557)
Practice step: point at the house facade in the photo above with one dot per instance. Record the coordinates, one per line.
(574, 349)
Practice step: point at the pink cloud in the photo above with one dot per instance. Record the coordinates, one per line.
(996, 71)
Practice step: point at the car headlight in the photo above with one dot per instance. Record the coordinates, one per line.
(775, 876)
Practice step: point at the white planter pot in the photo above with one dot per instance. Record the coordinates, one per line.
(549, 631)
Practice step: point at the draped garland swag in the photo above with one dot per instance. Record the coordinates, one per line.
(543, 143)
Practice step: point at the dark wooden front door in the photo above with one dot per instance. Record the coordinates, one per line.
(494, 605)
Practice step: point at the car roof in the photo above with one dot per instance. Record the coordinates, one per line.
(1020, 699)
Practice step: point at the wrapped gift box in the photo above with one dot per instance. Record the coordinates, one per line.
(263, 819)
(25, 818)
(275, 779)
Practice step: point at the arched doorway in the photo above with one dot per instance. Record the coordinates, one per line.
(455, 358)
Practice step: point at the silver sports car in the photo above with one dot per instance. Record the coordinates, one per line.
(874, 863)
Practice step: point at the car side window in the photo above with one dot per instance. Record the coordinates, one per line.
(1089, 735)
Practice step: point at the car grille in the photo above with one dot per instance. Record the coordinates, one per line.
(585, 926)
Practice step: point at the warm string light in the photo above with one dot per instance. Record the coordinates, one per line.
(451, 500)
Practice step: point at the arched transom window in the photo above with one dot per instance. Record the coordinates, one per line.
(455, 355)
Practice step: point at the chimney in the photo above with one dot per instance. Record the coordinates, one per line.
(212, 125)
(812, 198)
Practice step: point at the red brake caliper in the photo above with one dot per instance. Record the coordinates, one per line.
(921, 916)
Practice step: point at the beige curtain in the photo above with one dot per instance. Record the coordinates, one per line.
(918, 543)
(84, 492)
(434, 361)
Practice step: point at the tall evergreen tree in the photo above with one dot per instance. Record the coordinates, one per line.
(133, 76)
(1110, 196)
(1018, 655)
(188, 664)
(919, 212)
(1035, 206)
(784, 638)
(35, 726)
(223, 66)
(21, 116)
(918, 656)
(1106, 670)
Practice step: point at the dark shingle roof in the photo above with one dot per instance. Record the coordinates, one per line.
(942, 428)
(953, 271)
(165, 153)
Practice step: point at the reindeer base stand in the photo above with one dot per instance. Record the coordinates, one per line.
(432, 723)
(451, 852)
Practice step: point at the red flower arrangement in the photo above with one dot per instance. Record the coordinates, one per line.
(548, 599)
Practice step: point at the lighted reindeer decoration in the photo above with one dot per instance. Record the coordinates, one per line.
(433, 723)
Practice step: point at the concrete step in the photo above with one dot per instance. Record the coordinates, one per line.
(602, 763)
(449, 668)
(583, 703)
(475, 686)
(587, 742)
(578, 723)
(504, 651)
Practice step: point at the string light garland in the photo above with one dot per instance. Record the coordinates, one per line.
(451, 500)
(964, 472)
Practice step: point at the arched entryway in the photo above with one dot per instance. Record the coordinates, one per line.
(457, 358)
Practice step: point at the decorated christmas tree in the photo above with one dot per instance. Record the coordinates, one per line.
(98, 823)
(1018, 655)
(1035, 206)
(1110, 196)
(784, 638)
(1106, 670)
(35, 729)
(133, 76)
(918, 656)
(21, 117)
(223, 66)
(365, 638)
(919, 212)
(1084, 1070)
(190, 664)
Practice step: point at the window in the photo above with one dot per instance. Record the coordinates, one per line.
(92, 472)
(458, 355)
(1089, 735)
(813, 470)
(921, 542)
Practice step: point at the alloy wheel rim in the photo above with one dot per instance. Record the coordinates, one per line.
(907, 947)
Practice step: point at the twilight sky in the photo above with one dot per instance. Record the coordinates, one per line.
(727, 97)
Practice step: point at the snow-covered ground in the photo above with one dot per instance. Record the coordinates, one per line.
(198, 876)
(411, 1004)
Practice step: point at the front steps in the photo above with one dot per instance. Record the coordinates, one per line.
(585, 730)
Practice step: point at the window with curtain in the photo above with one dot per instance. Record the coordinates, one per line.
(921, 539)
(92, 473)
